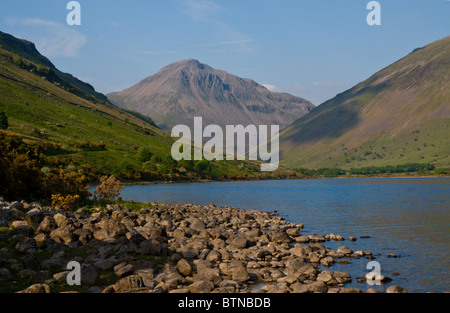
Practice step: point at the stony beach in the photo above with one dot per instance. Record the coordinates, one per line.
(167, 248)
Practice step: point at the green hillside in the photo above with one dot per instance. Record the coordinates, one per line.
(399, 115)
(43, 112)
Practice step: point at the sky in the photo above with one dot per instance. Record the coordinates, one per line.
(313, 49)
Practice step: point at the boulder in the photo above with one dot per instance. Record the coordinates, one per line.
(184, 267)
(209, 274)
(236, 270)
(239, 242)
(202, 286)
(36, 288)
(59, 219)
(63, 234)
(214, 256)
(90, 275)
(196, 225)
(5, 274)
(280, 236)
(123, 269)
(188, 252)
(344, 250)
(396, 289)
(128, 283)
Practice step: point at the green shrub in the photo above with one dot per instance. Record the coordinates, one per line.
(20, 163)
(109, 189)
(64, 184)
(3, 121)
(202, 166)
(144, 154)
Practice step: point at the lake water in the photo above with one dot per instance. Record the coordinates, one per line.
(409, 217)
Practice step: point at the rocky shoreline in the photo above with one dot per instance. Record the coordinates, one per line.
(165, 248)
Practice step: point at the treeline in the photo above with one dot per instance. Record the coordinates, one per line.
(418, 168)
(28, 172)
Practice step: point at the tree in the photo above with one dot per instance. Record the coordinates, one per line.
(3, 121)
(109, 189)
(144, 154)
(20, 164)
(203, 165)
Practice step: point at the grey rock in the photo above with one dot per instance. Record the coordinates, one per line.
(214, 256)
(280, 236)
(189, 252)
(90, 275)
(396, 289)
(30, 261)
(37, 288)
(209, 274)
(184, 267)
(344, 250)
(5, 274)
(129, 283)
(349, 290)
(240, 242)
(47, 225)
(201, 286)
(123, 269)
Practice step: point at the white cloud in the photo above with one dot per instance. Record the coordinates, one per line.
(54, 39)
(209, 12)
(201, 10)
(270, 87)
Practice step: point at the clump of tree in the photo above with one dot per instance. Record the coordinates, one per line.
(109, 188)
(3, 121)
(23, 175)
(20, 164)
(144, 154)
(90, 146)
(67, 182)
(66, 188)
(369, 170)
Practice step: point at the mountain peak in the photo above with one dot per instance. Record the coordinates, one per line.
(187, 64)
(188, 88)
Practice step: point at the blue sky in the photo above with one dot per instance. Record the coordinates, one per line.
(310, 48)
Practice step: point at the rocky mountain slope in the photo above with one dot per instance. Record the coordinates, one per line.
(188, 88)
(399, 115)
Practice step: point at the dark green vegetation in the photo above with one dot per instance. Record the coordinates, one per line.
(399, 115)
(407, 169)
(3, 121)
(20, 166)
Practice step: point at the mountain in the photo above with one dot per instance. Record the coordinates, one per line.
(188, 88)
(399, 115)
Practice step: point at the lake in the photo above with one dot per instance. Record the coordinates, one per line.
(409, 217)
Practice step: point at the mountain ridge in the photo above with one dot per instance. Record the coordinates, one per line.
(27, 50)
(398, 115)
(188, 88)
